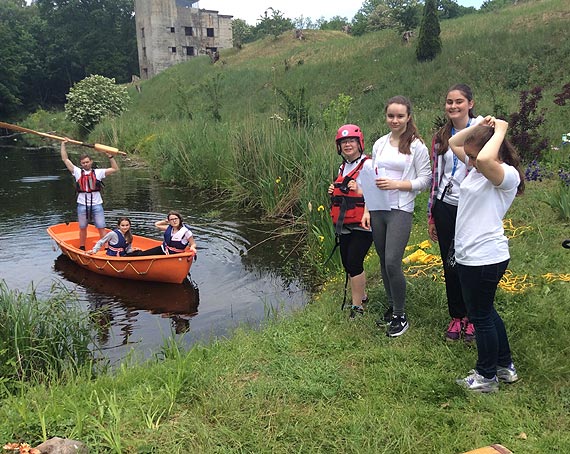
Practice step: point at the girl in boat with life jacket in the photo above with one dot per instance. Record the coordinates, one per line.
(401, 171)
(119, 240)
(347, 208)
(177, 237)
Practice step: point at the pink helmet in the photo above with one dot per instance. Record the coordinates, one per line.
(347, 131)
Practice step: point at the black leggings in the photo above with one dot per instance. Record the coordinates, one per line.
(153, 251)
(353, 249)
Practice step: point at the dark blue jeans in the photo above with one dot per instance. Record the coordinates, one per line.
(479, 285)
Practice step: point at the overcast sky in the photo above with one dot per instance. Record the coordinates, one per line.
(252, 10)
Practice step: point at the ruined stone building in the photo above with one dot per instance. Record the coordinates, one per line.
(173, 31)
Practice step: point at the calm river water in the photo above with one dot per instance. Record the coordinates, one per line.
(236, 276)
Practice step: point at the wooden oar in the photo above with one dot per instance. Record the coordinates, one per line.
(95, 146)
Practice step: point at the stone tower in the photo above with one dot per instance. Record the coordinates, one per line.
(173, 31)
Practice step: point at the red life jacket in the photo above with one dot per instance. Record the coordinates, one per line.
(347, 207)
(88, 182)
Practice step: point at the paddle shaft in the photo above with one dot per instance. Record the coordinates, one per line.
(95, 146)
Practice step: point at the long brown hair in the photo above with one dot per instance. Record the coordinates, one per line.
(411, 133)
(481, 134)
(444, 134)
(129, 235)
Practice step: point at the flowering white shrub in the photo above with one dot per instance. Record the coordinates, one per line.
(93, 98)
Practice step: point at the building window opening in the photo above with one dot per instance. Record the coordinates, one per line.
(142, 32)
(173, 49)
(190, 51)
(172, 29)
(210, 32)
(188, 31)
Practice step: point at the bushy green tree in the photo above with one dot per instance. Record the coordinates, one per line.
(272, 25)
(94, 98)
(334, 23)
(241, 33)
(429, 42)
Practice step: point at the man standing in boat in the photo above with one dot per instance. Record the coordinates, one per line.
(88, 186)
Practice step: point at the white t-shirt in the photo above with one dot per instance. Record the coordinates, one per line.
(479, 233)
(91, 198)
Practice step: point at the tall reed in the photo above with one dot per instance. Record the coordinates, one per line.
(41, 340)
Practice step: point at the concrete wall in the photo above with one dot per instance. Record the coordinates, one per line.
(170, 31)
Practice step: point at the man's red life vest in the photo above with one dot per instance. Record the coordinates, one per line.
(349, 206)
(88, 182)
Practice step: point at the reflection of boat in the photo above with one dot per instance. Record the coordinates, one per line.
(154, 297)
(171, 268)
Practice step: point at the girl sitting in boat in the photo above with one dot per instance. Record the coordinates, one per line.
(119, 240)
(177, 237)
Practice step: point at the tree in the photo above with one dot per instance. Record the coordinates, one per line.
(94, 98)
(334, 23)
(241, 33)
(273, 25)
(429, 42)
(16, 55)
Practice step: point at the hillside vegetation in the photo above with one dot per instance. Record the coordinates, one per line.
(313, 382)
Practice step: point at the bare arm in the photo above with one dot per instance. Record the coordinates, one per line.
(114, 166)
(162, 225)
(488, 162)
(65, 158)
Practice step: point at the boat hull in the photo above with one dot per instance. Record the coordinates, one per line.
(173, 268)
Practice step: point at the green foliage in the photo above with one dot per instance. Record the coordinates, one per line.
(334, 23)
(272, 25)
(40, 340)
(429, 42)
(241, 33)
(559, 199)
(296, 107)
(212, 88)
(336, 114)
(93, 99)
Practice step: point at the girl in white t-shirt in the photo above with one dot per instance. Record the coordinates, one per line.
(481, 248)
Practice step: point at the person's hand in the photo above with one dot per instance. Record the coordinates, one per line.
(365, 222)
(501, 125)
(387, 184)
(352, 185)
(91, 252)
(432, 232)
(331, 189)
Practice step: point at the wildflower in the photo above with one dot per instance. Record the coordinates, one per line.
(321, 208)
(310, 206)
(321, 238)
(533, 172)
(565, 177)
(278, 180)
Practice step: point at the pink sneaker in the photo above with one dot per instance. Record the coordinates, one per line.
(468, 331)
(453, 330)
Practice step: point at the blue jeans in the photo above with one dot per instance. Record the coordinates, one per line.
(96, 212)
(479, 285)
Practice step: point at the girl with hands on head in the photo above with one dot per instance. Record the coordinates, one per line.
(481, 248)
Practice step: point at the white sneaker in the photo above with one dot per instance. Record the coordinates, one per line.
(507, 374)
(477, 383)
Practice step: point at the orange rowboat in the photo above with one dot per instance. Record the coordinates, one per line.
(171, 268)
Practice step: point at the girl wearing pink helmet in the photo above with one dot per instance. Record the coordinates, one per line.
(347, 208)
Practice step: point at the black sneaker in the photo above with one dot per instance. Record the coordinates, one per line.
(355, 311)
(398, 326)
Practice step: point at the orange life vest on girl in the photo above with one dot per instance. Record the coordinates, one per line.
(347, 206)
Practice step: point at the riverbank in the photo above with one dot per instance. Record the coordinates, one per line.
(315, 382)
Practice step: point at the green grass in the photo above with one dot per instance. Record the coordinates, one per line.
(315, 382)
